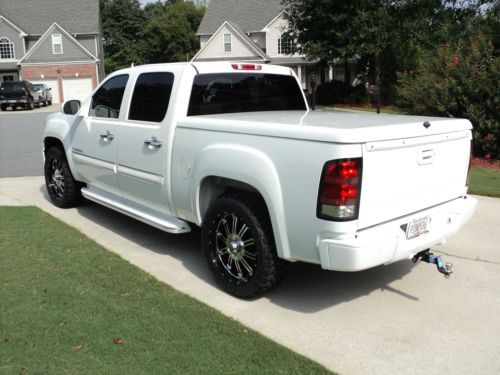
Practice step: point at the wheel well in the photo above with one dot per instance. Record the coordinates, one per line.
(52, 142)
(213, 187)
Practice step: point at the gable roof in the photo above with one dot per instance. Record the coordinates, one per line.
(250, 15)
(2, 18)
(238, 31)
(47, 33)
(35, 16)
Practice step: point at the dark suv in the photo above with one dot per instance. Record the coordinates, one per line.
(18, 93)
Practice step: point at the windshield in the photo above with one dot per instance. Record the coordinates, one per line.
(38, 87)
(244, 92)
(12, 87)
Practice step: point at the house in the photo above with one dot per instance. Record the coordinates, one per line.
(253, 31)
(57, 42)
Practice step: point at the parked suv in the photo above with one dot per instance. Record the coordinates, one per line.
(45, 93)
(18, 93)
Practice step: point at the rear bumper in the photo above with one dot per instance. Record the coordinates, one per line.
(13, 101)
(386, 243)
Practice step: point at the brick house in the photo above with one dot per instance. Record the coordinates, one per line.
(57, 42)
(252, 30)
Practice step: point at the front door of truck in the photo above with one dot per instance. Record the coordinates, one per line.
(95, 138)
(142, 153)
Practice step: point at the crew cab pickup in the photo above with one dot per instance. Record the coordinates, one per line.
(233, 148)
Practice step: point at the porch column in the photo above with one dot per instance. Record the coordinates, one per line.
(330, 73)
(299, 74)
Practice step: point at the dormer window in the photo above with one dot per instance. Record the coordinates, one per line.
(227, 42)
(6, 49)
(57, 48)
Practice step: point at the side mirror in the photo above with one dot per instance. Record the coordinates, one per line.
(49, 89)
(71, 107)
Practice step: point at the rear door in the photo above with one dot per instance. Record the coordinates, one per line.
(95, 139)
(143, 154)
(407, 175)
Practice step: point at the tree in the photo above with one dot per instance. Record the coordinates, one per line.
(122, 23)
(460, 79)
(171, 35)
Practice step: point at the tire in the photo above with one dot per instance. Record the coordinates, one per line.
(30, 106)
(63, 189)
(252, 266)
(50, 102)
(45, 104)
(3, 108)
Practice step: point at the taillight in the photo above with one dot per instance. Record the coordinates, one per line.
(246, 66)
(340, 190)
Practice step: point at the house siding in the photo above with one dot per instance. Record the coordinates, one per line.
(7, 31)
(89, 42)
(204, 39)
(239, 47)
(43, 52)
(275, 30)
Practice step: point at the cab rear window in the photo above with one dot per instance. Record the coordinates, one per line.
(244, 92)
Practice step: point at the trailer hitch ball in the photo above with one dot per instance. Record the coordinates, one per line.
(428, 257)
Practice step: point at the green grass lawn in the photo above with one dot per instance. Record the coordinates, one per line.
(68, 306)
(483, 181)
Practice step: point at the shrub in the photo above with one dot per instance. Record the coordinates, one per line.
(458, 81)
(330, 93)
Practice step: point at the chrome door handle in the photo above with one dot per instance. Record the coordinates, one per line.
(107, 136)
(152, 142)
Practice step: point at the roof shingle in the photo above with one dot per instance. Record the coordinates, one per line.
(36, 16)
(250, 15)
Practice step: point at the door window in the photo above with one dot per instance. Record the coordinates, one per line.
(106, 102)
(151, 97)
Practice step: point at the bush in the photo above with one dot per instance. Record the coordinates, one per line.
(458, 81)
(330, 93)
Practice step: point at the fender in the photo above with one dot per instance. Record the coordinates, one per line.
(259, 172)
(63, 127)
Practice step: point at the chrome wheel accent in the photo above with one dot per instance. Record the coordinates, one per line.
(235, 247)
(56, 183)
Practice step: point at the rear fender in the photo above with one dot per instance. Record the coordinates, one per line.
(251, 167)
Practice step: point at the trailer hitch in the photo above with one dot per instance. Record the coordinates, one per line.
(428, 257)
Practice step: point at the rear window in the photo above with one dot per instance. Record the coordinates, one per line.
(244, 92)
(12, 87)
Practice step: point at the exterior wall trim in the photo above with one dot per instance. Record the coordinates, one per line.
(46, 34)
(227, 23)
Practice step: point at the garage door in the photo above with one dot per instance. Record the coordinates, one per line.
(77, 88)
(51, 83)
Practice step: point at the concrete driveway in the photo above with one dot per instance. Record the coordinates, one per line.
(401, 318)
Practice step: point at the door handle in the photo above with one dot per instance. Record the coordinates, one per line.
(153, 142)
(107, 136)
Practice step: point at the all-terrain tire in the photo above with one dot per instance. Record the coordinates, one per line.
(63, 189)
(243, 261)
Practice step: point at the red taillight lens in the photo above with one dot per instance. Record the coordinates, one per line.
(246, 66)
(340, 190)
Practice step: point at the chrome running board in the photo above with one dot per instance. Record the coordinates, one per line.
(166, 223)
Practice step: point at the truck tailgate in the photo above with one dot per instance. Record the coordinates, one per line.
(407, 175)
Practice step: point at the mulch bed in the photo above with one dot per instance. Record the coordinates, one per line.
(485, 163)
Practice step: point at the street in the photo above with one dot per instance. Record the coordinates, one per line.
(21, 141)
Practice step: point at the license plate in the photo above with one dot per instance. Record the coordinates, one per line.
(418, 227)
(12, 101)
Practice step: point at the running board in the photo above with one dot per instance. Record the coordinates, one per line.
(166, 223)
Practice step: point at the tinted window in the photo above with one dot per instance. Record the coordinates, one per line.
(107, 100)
(151, 96)
(244, 92)
(12, 87)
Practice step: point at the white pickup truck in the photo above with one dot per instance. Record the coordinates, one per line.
(234, 148)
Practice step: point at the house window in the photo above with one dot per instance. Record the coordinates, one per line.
(6, 49)
(57, 48)
(286, 46)
(227, 42)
